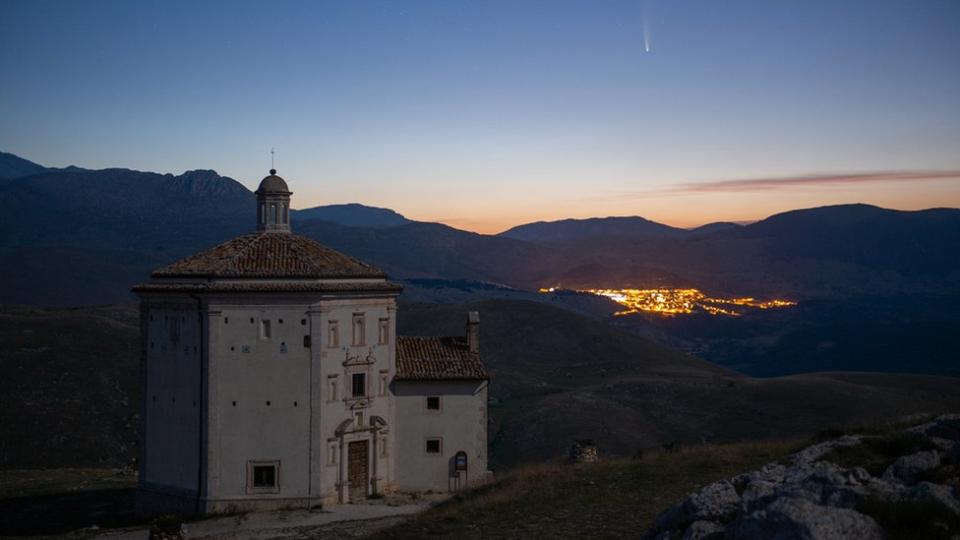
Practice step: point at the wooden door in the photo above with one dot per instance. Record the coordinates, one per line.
(357, 456)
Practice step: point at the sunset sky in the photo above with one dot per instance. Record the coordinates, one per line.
(484, 115)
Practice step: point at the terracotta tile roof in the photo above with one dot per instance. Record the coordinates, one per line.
(437, 358)
(266, 286)
(269, 255)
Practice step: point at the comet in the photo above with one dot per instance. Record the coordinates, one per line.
(646, 26)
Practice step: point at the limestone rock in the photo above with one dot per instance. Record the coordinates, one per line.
(716, 502)
(817, 451)
(789, 518)
(704, 530)
(810, 498)
(905, 469)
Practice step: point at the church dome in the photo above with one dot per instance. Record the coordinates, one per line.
(273, 184)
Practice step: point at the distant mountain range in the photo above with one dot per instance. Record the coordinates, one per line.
(876, 286)
(76, 236)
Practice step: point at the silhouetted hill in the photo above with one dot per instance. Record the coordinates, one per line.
(825, 252)
(12, 166)
(573, 229)
(431, 250)
(914, 244)
(718, 226)
(352, 215)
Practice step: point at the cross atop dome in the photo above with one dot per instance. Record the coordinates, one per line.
(273, 204)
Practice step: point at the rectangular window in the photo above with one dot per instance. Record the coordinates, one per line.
(273, 213)
(359, 384)
(332, 389)
(359, 330)
(263, 213)
(383, 384)
(265, 329)
(433, 403)
(384, 334)
(306, 342)
(434, 447)
(333, 334)
(263, 476)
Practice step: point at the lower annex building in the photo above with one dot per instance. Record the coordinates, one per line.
(274, 378)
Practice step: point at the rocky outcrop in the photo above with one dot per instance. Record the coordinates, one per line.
(822, 492)
(906, 468)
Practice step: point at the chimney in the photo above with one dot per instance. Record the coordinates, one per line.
(473, 331)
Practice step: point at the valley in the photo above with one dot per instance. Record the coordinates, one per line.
(667, 301)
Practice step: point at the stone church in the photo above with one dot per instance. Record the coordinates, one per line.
(274, 377)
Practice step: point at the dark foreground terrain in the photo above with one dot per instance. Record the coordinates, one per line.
(898, 480)
(879, 482)
(72, 383)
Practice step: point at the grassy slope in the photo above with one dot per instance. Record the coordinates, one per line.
(70, 386)
(613, 499)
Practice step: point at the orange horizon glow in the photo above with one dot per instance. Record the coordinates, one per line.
(685, 213)
(486, 213)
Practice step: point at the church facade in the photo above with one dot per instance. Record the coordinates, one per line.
(274, 377)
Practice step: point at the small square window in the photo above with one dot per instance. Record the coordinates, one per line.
(434, 447)
(433, 403)
(263, 476)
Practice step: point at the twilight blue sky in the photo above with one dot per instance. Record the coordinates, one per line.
(488, 114)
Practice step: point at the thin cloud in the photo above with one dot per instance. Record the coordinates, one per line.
(814, 180)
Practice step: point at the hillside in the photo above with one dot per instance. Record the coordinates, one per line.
(12, 166)
(869, 483)
(72, 381)
(72, 376)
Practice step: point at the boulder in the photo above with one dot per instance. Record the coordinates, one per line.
(717, 502)
(906, 468)
(944, 431)
(704, 530)
(789, 518)
(817, 451)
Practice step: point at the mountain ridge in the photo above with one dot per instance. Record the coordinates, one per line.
(118, 213)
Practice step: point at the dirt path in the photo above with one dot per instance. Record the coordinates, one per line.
(339, 521)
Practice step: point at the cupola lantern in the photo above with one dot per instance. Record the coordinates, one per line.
(273, 204)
